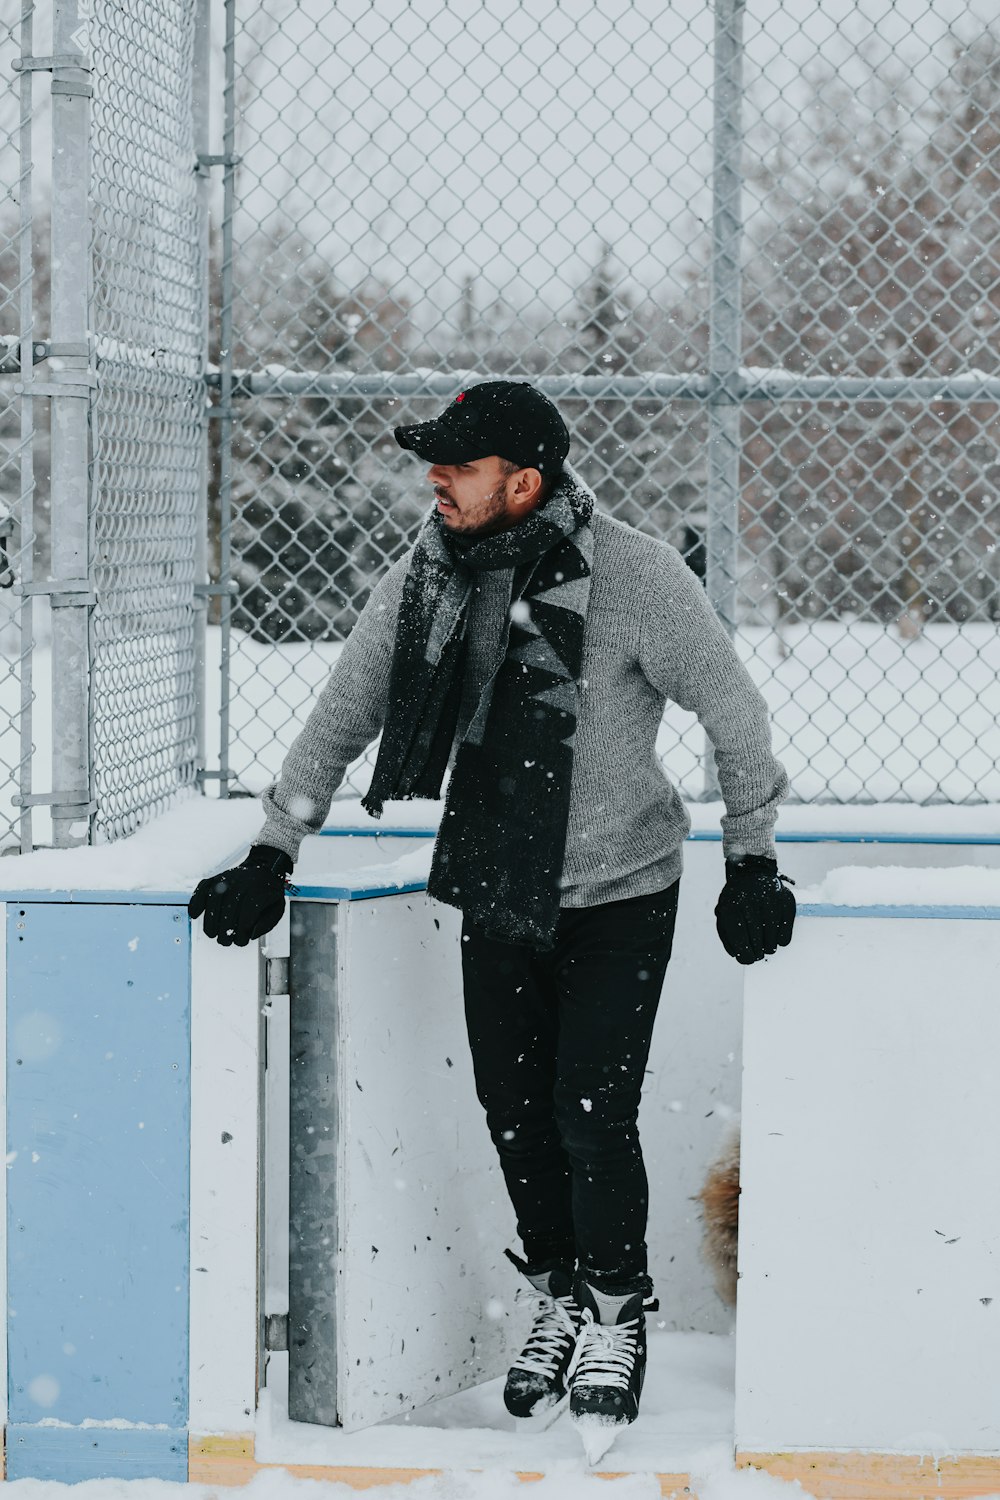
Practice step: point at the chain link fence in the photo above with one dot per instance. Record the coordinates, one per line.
(147, 322)
(19, 433)
(755, 257)
(103, 300)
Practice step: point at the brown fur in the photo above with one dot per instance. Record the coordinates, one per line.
(720, 1205)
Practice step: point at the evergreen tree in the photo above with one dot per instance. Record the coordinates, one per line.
(321, 502)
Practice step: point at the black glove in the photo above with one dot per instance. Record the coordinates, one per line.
(245, 902)
(756, 910)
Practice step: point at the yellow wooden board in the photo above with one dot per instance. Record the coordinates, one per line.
(882, 1476)
(230, 1460)
(824, 1476)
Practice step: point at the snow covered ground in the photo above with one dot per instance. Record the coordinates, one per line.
(713, 1479)
(687, 1412)
(857, 713)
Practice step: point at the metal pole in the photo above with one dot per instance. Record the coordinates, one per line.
(26, 522)
(751, 385)
(314, 1190)
(200, 111)
(225, 405)
(726, 317)
(71, 586)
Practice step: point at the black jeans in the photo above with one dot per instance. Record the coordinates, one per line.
(559, 1042)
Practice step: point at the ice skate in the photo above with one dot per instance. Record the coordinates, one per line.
(608, 1366)
(536, 1391)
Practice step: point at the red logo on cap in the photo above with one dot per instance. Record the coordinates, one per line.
(460, 396)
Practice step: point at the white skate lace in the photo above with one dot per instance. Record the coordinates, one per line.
(604, 1353)
(553, 1329)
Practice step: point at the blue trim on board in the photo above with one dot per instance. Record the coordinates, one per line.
(708, 835)
(714, 836)
(355, 893)
(71, 1454)
(99, 897)
(935, 912)
(939, 912)
(378, 833)
(77, 896)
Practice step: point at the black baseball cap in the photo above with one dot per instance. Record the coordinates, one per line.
(506, 417)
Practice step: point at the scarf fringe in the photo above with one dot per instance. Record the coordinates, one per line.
(375, 807)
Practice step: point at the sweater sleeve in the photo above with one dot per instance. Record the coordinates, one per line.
(346, 717)
(686, 654)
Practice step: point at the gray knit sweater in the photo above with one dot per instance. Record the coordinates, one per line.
(650, 635)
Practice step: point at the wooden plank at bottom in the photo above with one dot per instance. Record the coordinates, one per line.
(824, 1476)
(882, 1476)
(230, 1460)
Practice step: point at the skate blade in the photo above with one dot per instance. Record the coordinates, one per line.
(597, 1436)
(540, 1421)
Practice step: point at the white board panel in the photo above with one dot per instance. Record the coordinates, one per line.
(870, 1222)
(693, 1081)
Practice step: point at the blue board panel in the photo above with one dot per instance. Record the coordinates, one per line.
(98, 1136)
(71, 1454)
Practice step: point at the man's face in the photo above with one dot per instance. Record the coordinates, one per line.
(473, 497)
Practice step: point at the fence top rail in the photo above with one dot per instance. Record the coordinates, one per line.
(750, 384)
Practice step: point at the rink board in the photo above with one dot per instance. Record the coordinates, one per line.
(98, 1090)
(870, 1225)
(164, 1378)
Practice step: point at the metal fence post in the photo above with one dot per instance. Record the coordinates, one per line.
(200, 110)
(725, 332)
(226, 394)
(28, 415)
(70, 392)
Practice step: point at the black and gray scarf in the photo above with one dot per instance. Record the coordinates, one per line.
(499, 850)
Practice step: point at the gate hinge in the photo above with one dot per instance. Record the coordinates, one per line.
(69, 804)
(79, 383)
(46, 64)
(211, 590)
(49, 349)
(204, 161)
(276, 976)
(63, 592)
(275, 1332)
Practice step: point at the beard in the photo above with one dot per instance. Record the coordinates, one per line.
(493, 511)
(490, 515)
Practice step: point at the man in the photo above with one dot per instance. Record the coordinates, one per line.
(531, 641)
